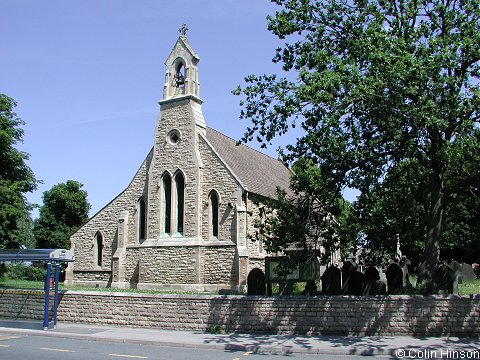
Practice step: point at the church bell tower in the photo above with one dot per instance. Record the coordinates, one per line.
(181, 77)
(176, 171)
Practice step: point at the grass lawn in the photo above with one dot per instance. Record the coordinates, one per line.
(38, 285)
(469, 287)
(21, 284)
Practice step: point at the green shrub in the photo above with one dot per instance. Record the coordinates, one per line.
(426, 287)
(23, 272)
(3, 269)
(217, 329)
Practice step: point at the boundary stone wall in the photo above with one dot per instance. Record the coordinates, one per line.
(323, 315)
(22, 304)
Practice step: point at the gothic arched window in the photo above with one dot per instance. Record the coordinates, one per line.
(180, 201)
(142, 221)
(262, 214)
(98, 249)
(213, 202)
(166, 203)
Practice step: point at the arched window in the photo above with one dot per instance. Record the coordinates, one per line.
(173, 204)
(262, 214)
(167, 203)
(98, 249)
(213, 202)
(142, 221)
(180, 201)
(179, 78)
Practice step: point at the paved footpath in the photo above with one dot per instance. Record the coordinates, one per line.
(391, 346)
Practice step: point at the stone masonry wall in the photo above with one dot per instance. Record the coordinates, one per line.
(105, 221)
(336, 315)
(168, 157)
(220, 265)
(253, 210)
(132, 265)
(168, 265)
(22, 304)
(94, 276)
(217, 177)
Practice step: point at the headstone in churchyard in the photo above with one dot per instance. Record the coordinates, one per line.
(457, 271)
(285, 288)
(256, 282)
(348, 269)
(467, 272)
(395, 278)
(404, 262)
(371, 273)
(371, 280)
(455, 265)
(310, 288)
(444, 279)
(382, 287)
(356, 283)
(331, 281)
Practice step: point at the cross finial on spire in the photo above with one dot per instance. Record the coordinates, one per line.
(183, 29)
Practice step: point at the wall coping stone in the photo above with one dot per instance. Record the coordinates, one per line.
(272, 298)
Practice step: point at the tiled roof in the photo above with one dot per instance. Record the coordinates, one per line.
(259, 173)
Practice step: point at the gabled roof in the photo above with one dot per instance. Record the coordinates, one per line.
(259, 173)
(182, 42)
(188, 46)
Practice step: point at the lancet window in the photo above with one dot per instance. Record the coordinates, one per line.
(213, 202)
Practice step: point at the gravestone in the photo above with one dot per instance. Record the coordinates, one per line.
(404, 262)
(285, 288)
(455, 265)
(331, 281)
(356, 283)
(395, 278)
(348, 269)
(444, 279)
(371, 281)
(457, 271)
(467, 272)
(310, 288)
(256, 282)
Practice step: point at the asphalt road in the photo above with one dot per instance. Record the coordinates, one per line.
(33, 347)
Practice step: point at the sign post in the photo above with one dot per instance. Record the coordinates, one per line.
(47, 296)
(55, 298)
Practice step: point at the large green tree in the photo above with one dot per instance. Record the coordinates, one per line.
(16, 179)
(65, 208)
(382, 219)
(299, 224)
(380, 86)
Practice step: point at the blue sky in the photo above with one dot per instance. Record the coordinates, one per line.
(87, 76)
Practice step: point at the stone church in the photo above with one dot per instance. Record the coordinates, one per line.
(183, 221)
